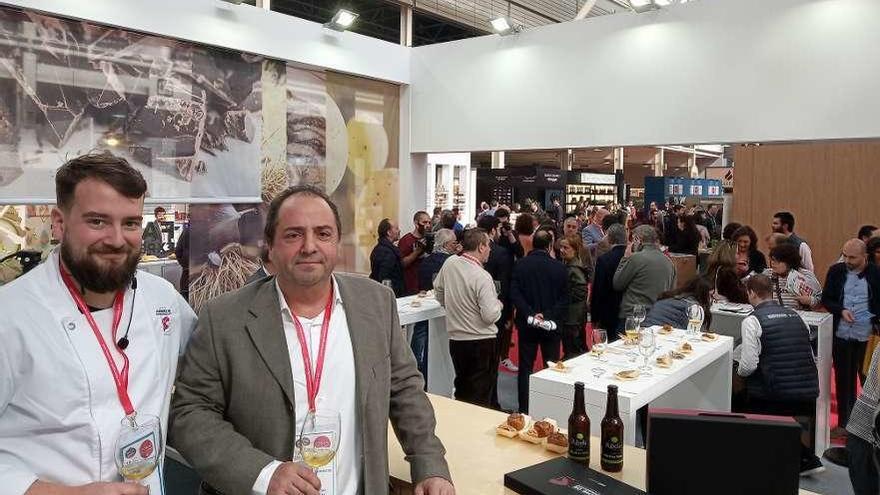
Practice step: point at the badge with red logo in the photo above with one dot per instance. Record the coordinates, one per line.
(166, 323)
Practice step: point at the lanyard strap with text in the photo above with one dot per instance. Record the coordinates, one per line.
(120, 377)
(313, 380)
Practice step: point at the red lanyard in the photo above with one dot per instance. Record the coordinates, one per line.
(119, 376)
(313, 381)
(472, 260)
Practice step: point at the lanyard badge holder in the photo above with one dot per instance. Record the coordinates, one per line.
(318, 440)
(139, 444)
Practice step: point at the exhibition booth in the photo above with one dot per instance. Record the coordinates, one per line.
(223, 106)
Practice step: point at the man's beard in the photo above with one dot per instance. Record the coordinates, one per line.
(421, 229)
(96, 277)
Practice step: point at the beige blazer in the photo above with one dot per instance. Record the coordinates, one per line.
(232, 412)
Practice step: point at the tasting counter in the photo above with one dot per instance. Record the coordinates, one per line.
(478, 458)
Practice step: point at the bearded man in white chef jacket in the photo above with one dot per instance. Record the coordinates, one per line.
(61, 403)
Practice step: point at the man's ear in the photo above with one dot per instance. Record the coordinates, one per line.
(57, 216)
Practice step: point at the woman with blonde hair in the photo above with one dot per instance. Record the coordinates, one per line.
(580, 267)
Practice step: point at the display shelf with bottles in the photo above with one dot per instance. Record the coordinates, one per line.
(592, 193)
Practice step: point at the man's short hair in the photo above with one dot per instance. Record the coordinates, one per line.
(418, 214)
(502, 213)
(447, 219)
(106, 167)
(646, 233)
(616, 234)
(488, 222)
(384, 227)
(760, 285)
(441, 238)
(494, 203)
(787, 253)
(785, 218)
(541, 239)
(866, 231)
(609, 220)
(278, 202)
(158, 210)
(472, 239)
(525, 224)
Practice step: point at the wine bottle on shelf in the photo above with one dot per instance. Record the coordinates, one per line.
(612, 435)
(579, 428)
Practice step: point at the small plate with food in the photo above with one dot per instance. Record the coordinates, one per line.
(559, 366)
(664, 361)
(709, 336)
(539, 431)
(557, 442)
(665, 330)
(627, 375)
(516, 423)
(685, 348)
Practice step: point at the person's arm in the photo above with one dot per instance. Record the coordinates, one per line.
(410, 411)
(751, 346)
(15, 477)
(487, 300)
(831, 299)
(626, 271)
(385, 269)
(412, 252)
(197, 426)
(806, 256)
(440, 287)
(523, 308)
(560, 310)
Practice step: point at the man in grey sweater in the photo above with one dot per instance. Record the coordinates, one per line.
(644, 272)
(468, 293)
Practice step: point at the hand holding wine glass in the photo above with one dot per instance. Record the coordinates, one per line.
(319, 438)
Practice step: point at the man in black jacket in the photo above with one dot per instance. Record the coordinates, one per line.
(539, 288)
(604, 300)
(852, 296)
(385, 260)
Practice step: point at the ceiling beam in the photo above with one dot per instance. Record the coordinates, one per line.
(585, 10)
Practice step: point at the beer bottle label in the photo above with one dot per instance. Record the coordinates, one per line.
(612, 450)
(579, 447)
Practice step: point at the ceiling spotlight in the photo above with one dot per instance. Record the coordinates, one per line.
(505, 26)
(662, 3)
(342, 20)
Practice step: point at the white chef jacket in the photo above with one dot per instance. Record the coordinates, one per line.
(59, 411)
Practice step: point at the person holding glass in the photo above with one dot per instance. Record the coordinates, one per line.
(89, 346)
(794, 286)
(301, 369)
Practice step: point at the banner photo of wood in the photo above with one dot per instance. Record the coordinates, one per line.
(187, 116)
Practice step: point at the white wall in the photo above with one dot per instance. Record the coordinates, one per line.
(241, 27)
(703, 72)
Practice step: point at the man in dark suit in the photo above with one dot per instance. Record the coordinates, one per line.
(604, 300)
(386, 263)
(247, 383)
(539, 288)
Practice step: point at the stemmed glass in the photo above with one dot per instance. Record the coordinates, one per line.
(639, 313)
(319, 438)
(138, 447)
(647, 345)
(600, 342)
(695, 322)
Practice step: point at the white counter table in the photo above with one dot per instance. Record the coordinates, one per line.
(727, 320)
(441, 373)
(700, 381)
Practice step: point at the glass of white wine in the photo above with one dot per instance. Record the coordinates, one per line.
(138, 447)
(600, 342)
(319, 438)
(695, 322)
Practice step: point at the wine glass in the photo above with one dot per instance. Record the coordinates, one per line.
(647, 345)
(695, 321)
(600, 342)
(138, 447)
(319, 438)
(631, 330)
(639, 313)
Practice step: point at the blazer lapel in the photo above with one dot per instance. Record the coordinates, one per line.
(267, 333)
(359, 316)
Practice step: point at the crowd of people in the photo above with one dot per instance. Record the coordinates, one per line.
(554, 273)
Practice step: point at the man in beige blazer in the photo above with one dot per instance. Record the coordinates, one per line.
(234, 411)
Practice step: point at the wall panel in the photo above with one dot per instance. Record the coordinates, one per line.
(831, 188)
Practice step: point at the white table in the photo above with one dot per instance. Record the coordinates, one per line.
(441, 373)
(821, 331)
(700, 381)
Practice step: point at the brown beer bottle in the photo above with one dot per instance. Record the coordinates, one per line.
(579, 428)
(612, 435)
